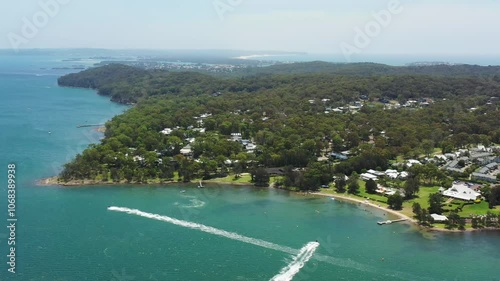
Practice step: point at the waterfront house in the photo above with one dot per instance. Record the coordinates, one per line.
(367, 177)
(462, 191)
(439, 218)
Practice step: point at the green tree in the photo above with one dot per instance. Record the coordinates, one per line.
(395, 201)
(237, 170)
(411, 187)
(371, 187)
(435, 205)
(453, 220)
(428, 147)
(128, 174)
(116, 175)
(493, 197)
(353, 187)
(475, 222)
(417, 211)
(461, 224)
(340, 183)
(425, 218)
(260, 177)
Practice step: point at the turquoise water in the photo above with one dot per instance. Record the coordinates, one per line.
(68, 234)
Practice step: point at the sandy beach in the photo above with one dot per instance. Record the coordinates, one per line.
(411, 220)
(366, 203)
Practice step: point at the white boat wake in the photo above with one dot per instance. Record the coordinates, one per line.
(298, 262)
(207, 229)
(195, 203)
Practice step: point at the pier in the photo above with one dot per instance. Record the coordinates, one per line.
(90, 125)
(390, 221)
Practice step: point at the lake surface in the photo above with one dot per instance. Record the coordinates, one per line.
(69, 234)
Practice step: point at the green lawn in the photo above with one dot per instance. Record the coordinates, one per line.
(422, 199)
(362, 193)
(245, 178)
(478, 209)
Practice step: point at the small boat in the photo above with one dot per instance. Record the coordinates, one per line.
(183, 191)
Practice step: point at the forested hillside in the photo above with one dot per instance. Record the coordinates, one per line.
(374, 69)
(285, 120)
(127, 84)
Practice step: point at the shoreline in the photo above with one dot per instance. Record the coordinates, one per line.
(410, 220)
(366, 203)
(54, 181)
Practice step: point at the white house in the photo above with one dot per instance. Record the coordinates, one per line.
(393, 174)
(376, 173)
(200, 130)
(412, 162)
(236, 137)
(138, 159)
(462, 191)
(439, 218)
(340, 156)
(251, 147)
(386, 191)
(167, 131)
(367, 177)
(484, 177)
(186, 150)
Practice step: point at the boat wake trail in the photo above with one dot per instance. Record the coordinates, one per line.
(207, 229)
(301, 257)
(298, 262)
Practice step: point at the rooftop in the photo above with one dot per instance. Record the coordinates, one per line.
(461, 191)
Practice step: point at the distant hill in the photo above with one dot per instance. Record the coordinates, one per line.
(96, 78)
(374, 69)
(127, 84)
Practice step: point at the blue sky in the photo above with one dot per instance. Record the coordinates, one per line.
(315, 26)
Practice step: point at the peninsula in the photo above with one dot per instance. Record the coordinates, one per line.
(413, 138)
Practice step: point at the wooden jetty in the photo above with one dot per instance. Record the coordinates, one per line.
(390, 221)
(90, 125)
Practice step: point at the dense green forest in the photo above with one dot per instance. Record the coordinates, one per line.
(374, 69)
(339, 82)
(286, 117)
